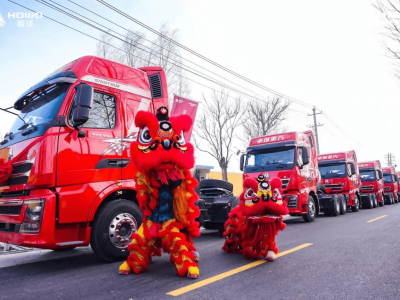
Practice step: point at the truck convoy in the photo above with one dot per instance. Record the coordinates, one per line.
(340, 176)
(71, 182)
(371, 183)
(390, 185)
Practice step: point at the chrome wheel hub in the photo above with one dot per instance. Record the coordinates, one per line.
(311, 208)
(121, 229)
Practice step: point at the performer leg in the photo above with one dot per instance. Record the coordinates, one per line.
(175, 243)
(140, 252)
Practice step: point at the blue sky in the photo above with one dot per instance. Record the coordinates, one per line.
(327, 53)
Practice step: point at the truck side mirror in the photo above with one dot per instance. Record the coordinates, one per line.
(304, 156)
(82, 103)
(353, 169)
(241, 162)
(380, 174)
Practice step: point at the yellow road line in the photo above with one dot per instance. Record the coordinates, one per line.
(376, 218)
(215, 278)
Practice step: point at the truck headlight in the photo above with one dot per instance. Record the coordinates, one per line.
(33, 216)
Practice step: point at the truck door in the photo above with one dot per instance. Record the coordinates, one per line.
(90, 159)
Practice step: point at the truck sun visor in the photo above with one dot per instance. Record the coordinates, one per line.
(67, 76)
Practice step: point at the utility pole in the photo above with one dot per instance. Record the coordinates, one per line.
(390, 159)
(315, 127)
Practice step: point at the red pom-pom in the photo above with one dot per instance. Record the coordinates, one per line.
(5, 170)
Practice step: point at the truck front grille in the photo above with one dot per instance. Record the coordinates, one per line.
(334, 187)
(367, 187)
(17, 180)
(292, 203)
(20, 173)
(10, 210)
(285, 183)
(387, 188)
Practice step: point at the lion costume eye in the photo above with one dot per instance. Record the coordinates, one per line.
(145, 137)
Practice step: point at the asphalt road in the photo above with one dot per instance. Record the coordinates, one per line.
(349, 258)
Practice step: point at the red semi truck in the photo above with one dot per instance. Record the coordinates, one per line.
(71, 183)
(340, 175)
(390, 185)
(292, 157)
(371, 183)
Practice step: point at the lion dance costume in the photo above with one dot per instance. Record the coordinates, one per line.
(253, 225)
(165, 192)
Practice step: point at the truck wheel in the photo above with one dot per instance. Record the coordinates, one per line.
(343, 204)
(375, 200)
(382, 203)
(371, 202)
(336, 207)
(112, 229)
(356, 206)
(311, 210)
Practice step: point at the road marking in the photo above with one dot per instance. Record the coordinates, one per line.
(376, 218)
(215, 278)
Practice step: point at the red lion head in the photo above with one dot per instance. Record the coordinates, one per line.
(262, 197)
(160, 144)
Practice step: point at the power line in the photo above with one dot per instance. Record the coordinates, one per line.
(203, 57)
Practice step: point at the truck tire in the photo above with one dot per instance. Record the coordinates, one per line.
(370, 204)
(311, 210)
(215, 183)
(375, 202)
(356, 206)
(108, 243)
(336, 207)
(382, 203)
(343, 204)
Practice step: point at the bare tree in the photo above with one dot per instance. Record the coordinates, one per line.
(217, 126)
(390, 9)
(104, 47)
(136, 51)
(263, 118)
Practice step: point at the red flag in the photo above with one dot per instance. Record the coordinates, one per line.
(182, 106)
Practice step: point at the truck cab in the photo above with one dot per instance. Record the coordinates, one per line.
(71, 183)
(340, 175)
(390, 185)
(372, 181)
(292, 157)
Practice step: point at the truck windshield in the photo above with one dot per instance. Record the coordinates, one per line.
(367, 175)
(332, 171)
(387, 178)
(42, 108)
(270, 159)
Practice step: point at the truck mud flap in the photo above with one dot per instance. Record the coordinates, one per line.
(221, 208)
(365, 200)
(326, 202)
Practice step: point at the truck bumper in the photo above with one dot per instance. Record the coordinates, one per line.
(10, 224)
(48, 237)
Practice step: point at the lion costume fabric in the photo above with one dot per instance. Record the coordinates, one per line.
(165, 192)
(253, 225)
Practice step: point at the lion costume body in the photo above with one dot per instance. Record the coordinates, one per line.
(253, 225)
(165, 192)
